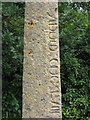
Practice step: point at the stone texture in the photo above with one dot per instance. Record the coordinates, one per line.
(41, 67)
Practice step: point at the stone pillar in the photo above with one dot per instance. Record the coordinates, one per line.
(41, 67)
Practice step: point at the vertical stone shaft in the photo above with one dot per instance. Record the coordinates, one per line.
(41, 67)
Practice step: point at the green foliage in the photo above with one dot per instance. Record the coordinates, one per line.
(13, 34)
(75, 54)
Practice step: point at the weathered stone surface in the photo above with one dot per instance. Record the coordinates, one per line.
(41, 74)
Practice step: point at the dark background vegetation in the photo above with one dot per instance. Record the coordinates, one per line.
(12, 59)
(74, 51)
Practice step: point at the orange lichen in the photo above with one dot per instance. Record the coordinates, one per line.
(30, 24)
(29, 52)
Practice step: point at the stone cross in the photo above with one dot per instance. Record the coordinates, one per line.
(41, 67)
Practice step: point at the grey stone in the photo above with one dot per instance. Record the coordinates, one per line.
(41, 66)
